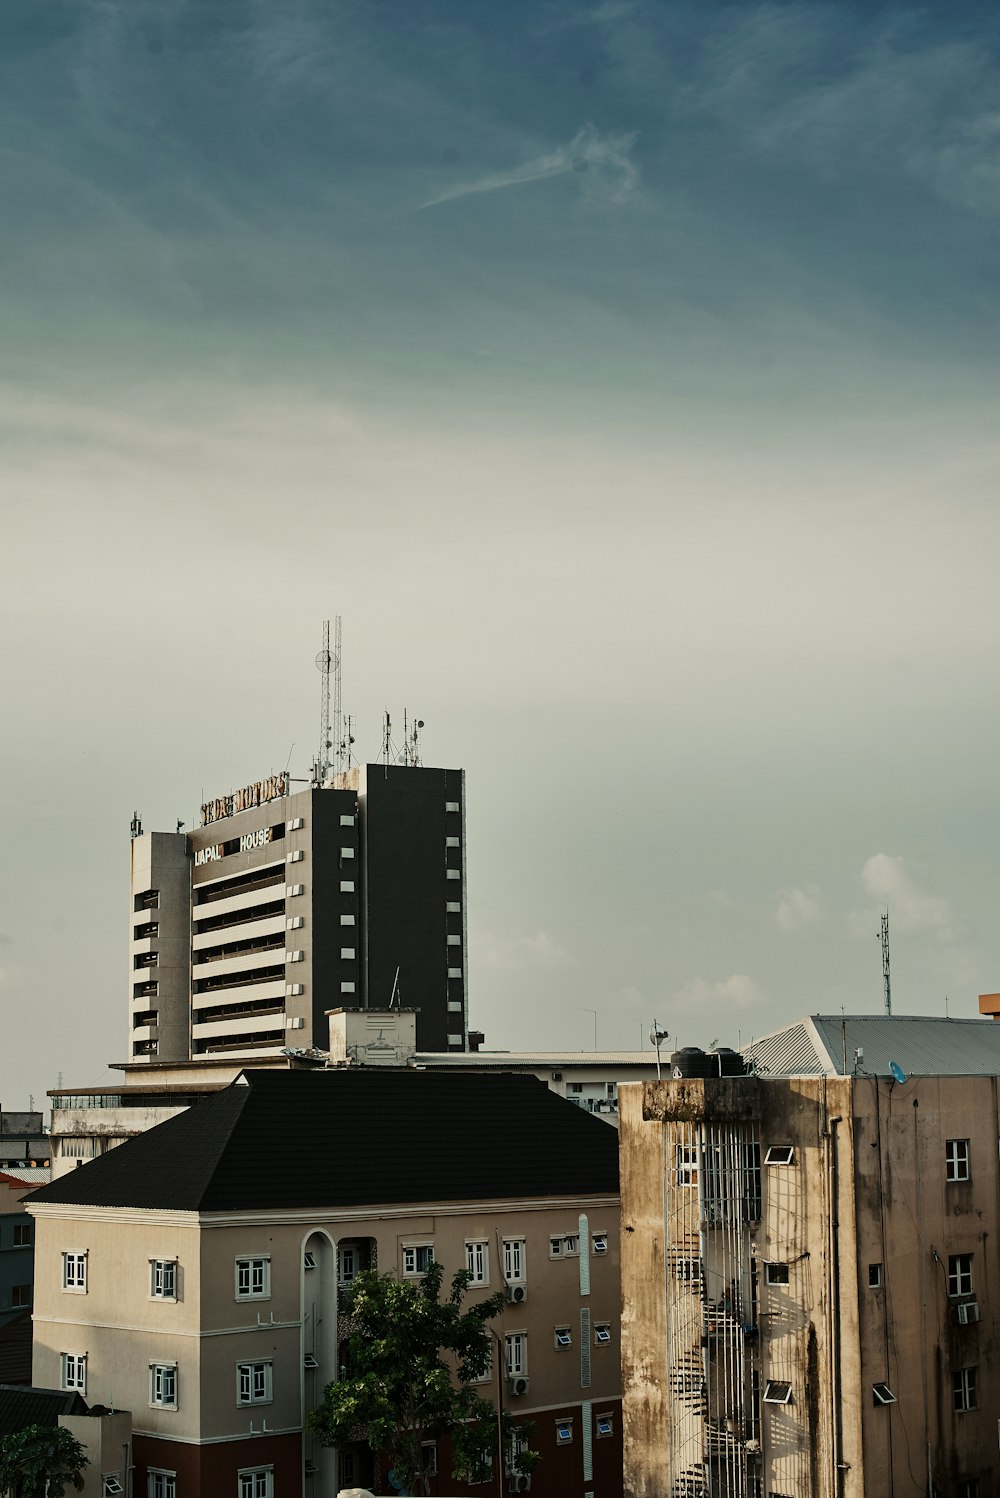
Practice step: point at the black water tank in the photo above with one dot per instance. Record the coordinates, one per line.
(692, 1061)
(728, 1063)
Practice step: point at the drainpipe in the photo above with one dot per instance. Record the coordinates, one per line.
(835, 1370)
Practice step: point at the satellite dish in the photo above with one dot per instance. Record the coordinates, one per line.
(898, 1074)
(657, 1034)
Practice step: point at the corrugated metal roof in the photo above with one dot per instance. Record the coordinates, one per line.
(541, 1059)
(923, 1045)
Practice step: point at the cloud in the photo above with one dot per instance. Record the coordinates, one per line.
(890, 883)
(740, 990)
(604, 159)
(797, 908)
(517, 953)
(720, 897)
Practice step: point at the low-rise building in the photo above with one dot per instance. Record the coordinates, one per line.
(16, 1249)
(194, 1274)
(23, 1140)
(811, 1299)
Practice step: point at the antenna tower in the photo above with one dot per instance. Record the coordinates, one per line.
(884, 938)
(338, 723)
(323, 661)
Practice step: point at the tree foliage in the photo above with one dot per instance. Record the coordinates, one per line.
(39, 1461)
(397, 1390)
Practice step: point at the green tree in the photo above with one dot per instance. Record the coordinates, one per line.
(398, 1391)
(39, 1461)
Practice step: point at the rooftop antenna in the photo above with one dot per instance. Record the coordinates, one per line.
(411, 741)
(394, 996)
(338, 721)
(657, 1035)
(386, 738)
(345, 756)
(323, 663)
(884, 938)
(136, 825)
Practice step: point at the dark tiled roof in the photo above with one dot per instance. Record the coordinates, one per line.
(354, 1138)
(20, 1407)
(15, 1349)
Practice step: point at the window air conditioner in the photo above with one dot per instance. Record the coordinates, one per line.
(520, 1483)
(516, 1294)
(518, 1385)
(968, 1312)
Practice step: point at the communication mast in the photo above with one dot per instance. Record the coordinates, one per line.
(328, 663)
(884, 938)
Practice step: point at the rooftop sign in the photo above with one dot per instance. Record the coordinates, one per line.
(243, 800)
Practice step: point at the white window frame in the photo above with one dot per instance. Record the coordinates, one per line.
(965, 1390)
(777, 1391)
(347, 886)
(957, 1162)
(564, 1431)
(348, 1259)
(602, 1333)
(163, 1386)
(163, 1272)
(607, 1420)
(348, 920)
(563, 1338)
(780, 1154)
(515, 1351)
(453, 873)
(959, 1275)
(74, 1273)
(777, 1272)
(556, 1245)
(429, 1458)
(254, 1382)
(347, 852)
(346, 820)
(514, 1261)
(599, 1243)
(413, 1254)
(111, 1484)
(263, 1268)
(348, 954)
(73, 1371)
(161, 1484)
(882, 1394)
(477, 1260)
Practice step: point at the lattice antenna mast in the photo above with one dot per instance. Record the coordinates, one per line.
(338, 716)
(323, 662)
(884, 938)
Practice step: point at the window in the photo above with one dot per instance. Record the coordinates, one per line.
(599, 1243)
(347, 920)
(602, 1333)
(308, 1260)
(513, 1260)
(74, 1371)
(956, 1160)
(346, 820)
(347, 986)
(454, 941)
(22, 1235)
(347, 852)
(161, 1484)
(347, 1263)
(418, 1258)
(163, 1279)
(452, 842)
(563, 1337)
(564, 1432)
(163, 1386)
(965, 1389)
(111, 1483)
(454, 972)
(451, 806)
(780, 1154)
(571, 1244)
(776, 1274)
(20, 1297)
(253, 1279)
(255, 1482)
(959, 1274)
(477, 1261)
(75, 1273)
(882, 1394)
(453, 873)
(347, 886)
(555, 1248)
(429, 1458)
(253, 1383)
(777, 1391)
(604, 1425)
(348, 954)
(687, 1165)
(874, 1276)
(453, 907)
(516, 1351)
(486, 1377)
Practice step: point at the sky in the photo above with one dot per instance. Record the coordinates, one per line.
(624, 375)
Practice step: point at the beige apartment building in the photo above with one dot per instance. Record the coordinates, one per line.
(810, 1282)
(194, 1275)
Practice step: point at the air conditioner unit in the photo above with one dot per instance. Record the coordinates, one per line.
(518, 1385)
(968, 1312)
(520, 1483)
(516, 1294)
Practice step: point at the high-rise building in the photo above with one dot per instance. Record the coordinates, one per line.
(284, 904)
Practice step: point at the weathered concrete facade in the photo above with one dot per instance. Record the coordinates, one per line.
(803, 1264)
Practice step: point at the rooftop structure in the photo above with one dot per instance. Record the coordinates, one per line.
(836, 1045)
